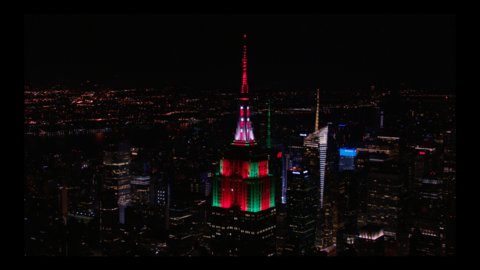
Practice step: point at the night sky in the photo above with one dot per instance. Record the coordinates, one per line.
(294, 52)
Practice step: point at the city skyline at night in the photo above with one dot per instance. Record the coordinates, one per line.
(144, 138)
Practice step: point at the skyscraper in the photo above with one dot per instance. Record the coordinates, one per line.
(117, 173)
(180, 216)
(243, 214)
(385, 201)
(427, 216)
(109, 224)
(347, 159)
(314, 158)
(301, 212)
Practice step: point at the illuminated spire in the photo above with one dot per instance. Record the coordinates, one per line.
(244, 133)
(244, 60)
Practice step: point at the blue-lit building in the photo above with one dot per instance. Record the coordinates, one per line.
(347, 159)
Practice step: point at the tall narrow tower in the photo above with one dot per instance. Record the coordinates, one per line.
(243, 213)
(244, 133)
(314, 159)
(116, 161)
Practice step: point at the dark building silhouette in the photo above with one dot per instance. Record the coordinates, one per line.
(301, 207)
(180, 238)
(109, 224)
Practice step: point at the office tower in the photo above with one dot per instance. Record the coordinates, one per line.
(372, 156)
(301, 207)
(180, 216)
(428, 216)
(292, 158)
(449, 196)
(394, 142)
(334, 205)
(243, 213)
(207, 177)
(314, 159)
(140, 193)
(161, 202)
(424, 245)
(429, 207)
(419, 165)
(197, 190)
(347, 159)
(109, 223)
(347, 209)
(385, 201)
(351, 199)
(422, 164)
(116, 162)
(161, 188)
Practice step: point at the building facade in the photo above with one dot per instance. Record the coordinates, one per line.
(347, 159)
(314, 160)
(116, 162)
(243, 212)
(301, 207)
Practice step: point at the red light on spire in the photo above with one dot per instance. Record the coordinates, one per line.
(244, 60)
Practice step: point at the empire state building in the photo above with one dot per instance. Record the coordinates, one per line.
(243, 213)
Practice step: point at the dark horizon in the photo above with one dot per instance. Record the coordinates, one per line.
(204, 51)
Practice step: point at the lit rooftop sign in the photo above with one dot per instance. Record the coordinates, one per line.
(349, 152)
